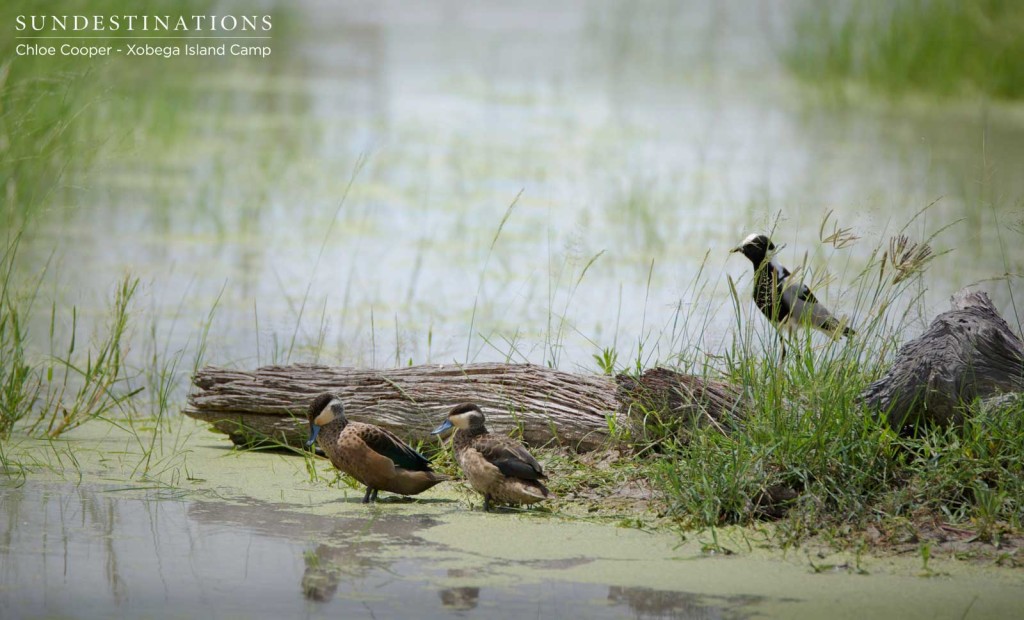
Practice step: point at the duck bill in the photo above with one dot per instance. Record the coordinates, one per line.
(440, 429)
(314, 430)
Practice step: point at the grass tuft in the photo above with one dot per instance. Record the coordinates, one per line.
(810, 456)
(19, 384)
(90, 388)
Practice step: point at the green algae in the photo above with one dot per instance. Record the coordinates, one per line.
(461, 551)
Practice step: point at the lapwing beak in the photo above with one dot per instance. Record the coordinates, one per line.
(314, 430)
(734, 250)
(440, 429)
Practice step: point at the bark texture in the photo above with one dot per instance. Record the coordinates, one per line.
(574, 410)
(967, 353)
(663, 402)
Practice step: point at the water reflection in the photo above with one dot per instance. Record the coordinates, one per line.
(649, 603)
(95, 550)
(327, 565)
(461, 598)
(354, 551)
(61, 542)
(86, 550)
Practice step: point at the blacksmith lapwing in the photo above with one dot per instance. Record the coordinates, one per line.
(784, 300)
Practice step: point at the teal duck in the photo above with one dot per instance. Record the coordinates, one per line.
(372, 455)
(498, 467)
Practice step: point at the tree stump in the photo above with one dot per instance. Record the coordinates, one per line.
(967, 353)
(542, 405)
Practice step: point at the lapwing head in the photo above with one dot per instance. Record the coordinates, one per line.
(755, 247)
(325, 409)
(464, 416)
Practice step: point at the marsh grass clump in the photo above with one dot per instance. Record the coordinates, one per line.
(807, 453)
(971, 476)
(942, 47)
(804, 445)
(69, 386)
(19, 385)
(91, 387)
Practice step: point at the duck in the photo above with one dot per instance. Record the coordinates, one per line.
(784, 301)
(374, 456)
(497, 467)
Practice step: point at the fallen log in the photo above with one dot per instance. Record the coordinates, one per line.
(968, 353)
(541, 405)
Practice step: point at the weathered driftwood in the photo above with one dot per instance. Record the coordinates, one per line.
(664, 402)
(967, 353)
(545, 405)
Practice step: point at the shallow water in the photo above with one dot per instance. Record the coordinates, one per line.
(98, 552)
(659, 135)
(248, 534)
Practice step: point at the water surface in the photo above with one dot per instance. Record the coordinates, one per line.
(645, 142)
(251, 535)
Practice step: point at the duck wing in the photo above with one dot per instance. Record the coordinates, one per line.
(386, 443)
(511, 458)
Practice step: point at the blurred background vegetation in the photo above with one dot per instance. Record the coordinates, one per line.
(946, 48)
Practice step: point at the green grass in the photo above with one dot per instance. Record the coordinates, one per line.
(811, 456)
(19, 386)
(82, 387)
(940, 47)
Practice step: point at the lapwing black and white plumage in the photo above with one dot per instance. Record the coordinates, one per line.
(786, 301)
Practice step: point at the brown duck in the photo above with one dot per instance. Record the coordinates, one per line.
(498, 467)
(372, 455)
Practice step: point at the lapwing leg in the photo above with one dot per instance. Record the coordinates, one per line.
(366, 498)
(487, 503)
(375, 492)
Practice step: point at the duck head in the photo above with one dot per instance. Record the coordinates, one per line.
(463, 417)
(755, 247)
(325, 409)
